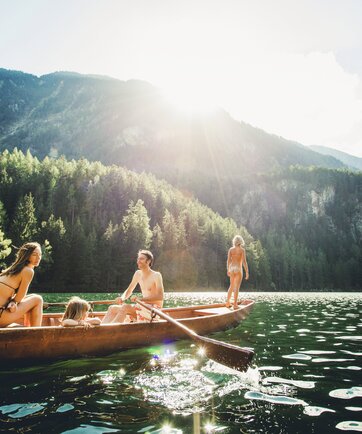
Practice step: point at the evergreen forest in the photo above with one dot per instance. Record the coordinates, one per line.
(91, 221)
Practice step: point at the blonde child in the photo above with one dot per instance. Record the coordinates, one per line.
(76, 314)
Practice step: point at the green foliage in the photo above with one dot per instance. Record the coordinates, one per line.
(5, 248)
(94, 219)
(24, 225)
(309, 221)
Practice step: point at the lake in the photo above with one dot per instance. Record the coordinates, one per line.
(305, 377)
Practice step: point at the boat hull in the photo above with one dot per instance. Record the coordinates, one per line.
(57, 342)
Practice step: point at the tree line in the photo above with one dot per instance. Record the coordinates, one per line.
(92, 219)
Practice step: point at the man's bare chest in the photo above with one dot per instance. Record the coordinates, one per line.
(147, 284)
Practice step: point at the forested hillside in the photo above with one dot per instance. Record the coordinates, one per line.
(92, 219)
(309, 221)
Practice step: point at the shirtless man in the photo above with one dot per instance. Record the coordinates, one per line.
(151, 286)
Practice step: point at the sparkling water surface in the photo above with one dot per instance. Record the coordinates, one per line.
(305, 378)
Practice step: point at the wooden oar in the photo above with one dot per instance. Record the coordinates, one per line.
(227, 354)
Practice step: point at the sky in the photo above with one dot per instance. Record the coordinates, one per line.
(290, 67)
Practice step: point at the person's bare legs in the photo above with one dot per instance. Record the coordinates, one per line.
(36, 314)
(117, 313)
(230, 290)
(111, 313)
(30, 308)
(237, 283)
(127, 309)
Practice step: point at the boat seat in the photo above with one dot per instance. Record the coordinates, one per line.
(212, 311)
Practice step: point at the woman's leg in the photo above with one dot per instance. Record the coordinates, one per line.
(237, 284)
(30, 308)
(36, 313)
(230, 290)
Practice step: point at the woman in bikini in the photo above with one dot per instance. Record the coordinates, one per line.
(15, 304)
(235, 263)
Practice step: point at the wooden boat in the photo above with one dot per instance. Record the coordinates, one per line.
(52, 341)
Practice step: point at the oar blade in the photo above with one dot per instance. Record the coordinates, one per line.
(227, 354)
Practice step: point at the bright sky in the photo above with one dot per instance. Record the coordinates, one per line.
(290, 67)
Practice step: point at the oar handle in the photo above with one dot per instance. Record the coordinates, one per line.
(168, 318)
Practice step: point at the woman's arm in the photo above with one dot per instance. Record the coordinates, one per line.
(228, 262)
(245, 265)
(27, 275)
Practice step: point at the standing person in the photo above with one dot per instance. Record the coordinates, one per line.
(151, 285)
(76, 314)
(235, 263)
(14, 284)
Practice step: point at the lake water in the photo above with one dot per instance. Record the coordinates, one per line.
(306, 377)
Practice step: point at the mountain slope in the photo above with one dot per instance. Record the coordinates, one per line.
(349, 160)
(130, 123)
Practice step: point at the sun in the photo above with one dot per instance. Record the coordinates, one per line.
(190, 99)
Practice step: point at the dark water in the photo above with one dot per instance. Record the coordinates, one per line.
(306, 378)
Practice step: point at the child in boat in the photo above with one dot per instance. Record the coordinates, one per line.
(76, 314)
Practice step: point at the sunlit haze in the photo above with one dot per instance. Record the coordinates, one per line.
(292, 68)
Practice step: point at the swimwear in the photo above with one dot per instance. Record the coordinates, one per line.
(5, 306)
(14, 289)
(234, 268)
(144, 314)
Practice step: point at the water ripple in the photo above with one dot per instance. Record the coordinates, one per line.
(327, 360)
(316, 411)
(275, 399)
(174, 388)
(351, 353)
(296, 383)
(87, 429)
(353, 392)
(17, 411)
(350, 425)
(297, 356)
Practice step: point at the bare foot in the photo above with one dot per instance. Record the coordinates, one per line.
(227, 304)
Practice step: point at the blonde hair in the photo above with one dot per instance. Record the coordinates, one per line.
(238, 240)
(76, 309)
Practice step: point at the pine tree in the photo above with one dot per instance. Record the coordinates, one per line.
(5, 248)
(24, 226)
(136, 227)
